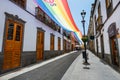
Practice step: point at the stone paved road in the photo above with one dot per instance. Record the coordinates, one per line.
(51, 71)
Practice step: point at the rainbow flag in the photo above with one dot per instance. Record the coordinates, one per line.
(59, 12)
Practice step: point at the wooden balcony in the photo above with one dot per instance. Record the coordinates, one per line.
(51, 24)
(40, 15)
(67, 34)
(109, 10)
(99, 23)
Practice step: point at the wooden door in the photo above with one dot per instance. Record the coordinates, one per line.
(40, 45)
(72, 48)
(115, 58)
(59, 43)
(64, 45)
(13, 43)
(52, 42)
(102, 46)
(97, 46)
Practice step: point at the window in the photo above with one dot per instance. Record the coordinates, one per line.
(52, 42)
(13, 30)
(10, 31)
(21, 3)
(18, 29)
(109, 7)
(99, 19)
(108, 2)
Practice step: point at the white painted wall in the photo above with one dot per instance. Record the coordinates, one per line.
(106, 39)
(103, 10)
(117, 20)
(99, 45)
(56, 40)
(2, 22)
(47, 38)
(94, 32)
(115, 2)
(119, 45)
(31, 6)
(114, 18)
(30, 29)
(95, 14)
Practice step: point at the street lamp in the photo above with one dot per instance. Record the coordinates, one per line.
(83, 13)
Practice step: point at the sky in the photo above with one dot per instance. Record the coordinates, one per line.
(76, 7)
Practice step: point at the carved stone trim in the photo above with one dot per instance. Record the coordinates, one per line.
(52, 34)
(112, 30)
(15, 18)
(40, 29)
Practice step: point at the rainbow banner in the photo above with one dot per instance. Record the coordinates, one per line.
(78, 36)
(59, 12)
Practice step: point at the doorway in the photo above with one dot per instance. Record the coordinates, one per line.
(114, 51)
(12, 45)
(97, 46)
(40, 45)
(102, 46)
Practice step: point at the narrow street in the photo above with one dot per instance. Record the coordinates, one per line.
(60, 40)
(51, 71)
(66, 67)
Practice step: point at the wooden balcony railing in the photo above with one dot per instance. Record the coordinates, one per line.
(109, 10)
(40, 15)
(99, 22)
